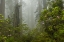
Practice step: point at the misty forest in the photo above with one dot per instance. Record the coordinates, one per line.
(31, 20)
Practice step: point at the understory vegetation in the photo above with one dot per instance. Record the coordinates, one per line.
(50, 27)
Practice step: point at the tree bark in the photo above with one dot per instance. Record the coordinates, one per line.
(2, 7)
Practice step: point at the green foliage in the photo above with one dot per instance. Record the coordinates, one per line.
(57, 3)
(9, 33)
(54, 21)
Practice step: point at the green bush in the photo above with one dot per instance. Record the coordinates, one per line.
(9, 33)
(53, 19)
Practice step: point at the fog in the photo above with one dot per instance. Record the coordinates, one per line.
(29, 10)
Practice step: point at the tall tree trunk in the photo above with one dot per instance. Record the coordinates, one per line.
(16, 15)
(20, 11)
(2, 7)
(41, 4)
(45, 3)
